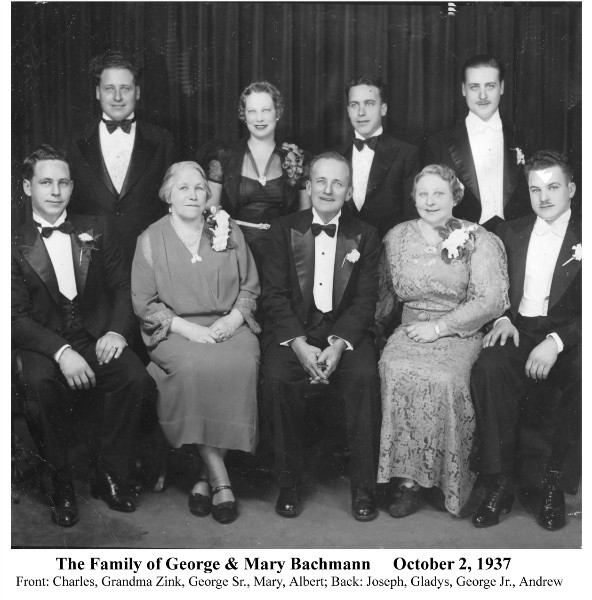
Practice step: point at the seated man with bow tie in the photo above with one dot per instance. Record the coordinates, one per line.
(119, 161)
(319, 295)
(71, 318)
(540, 341)
(383, 167)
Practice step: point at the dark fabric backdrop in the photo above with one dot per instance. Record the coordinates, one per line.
(198, 56)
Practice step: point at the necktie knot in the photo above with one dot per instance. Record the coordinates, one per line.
(126, 125)
(65, 227)
(542, 228)
(370, 142)
(330, 230)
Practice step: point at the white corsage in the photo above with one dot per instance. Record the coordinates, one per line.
(87, 243)
(458, 239)
(519, 156)
(577, 254)
(351, 257)
(218, 229)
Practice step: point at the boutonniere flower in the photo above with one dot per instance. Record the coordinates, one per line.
(293, 161)
(218, 229)
(87, 242)
(459, 240)
(577, 254)
(353, 256)
(519, 156)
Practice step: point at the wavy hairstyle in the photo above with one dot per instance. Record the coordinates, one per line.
(445, 173)
(164, 193)
(258, 87)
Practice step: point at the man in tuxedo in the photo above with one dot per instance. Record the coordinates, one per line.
(319, 297)
(119, 161)
(383, 167)
(71, 319)
(539, 341)
(484, 151)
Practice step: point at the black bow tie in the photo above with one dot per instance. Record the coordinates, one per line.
(330, 230)
(65, 227)
(126, 125)
(370, 142)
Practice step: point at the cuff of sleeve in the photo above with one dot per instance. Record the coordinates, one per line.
(118, 334)
(59, 353)
(557, 341)
(332, 338)
(246, 307)
(501, 319)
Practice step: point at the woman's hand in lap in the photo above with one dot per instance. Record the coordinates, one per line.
(225, 326)
(422, 332)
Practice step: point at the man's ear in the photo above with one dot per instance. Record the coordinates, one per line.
(502, 88)
(97, 94)
(571, 186)
(27, 187)
(350, 191)
(138, 92)
(308, 187)
(464, 90)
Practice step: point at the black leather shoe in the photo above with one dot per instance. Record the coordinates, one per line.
(552, 513)
(498, 499)
(200, 505)
(435, 497)
(117, 496)
(363, 507)
(289, 502)
(64, 511)
(405, 502)
(225, 512)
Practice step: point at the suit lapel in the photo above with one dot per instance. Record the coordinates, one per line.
(564, 274)
(460, 151)
(90, 148)
(511, 167)
(303, 251)
(383, 159)
(80, 258)
(33, 250)
(141, 159)
(348, 239)
(518, 266)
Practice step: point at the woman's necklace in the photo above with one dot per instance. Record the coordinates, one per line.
(192, 246)
(261, 178)
(429, 249)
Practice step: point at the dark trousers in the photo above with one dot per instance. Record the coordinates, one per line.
(121, 387)
(498, 385)
(356, 382)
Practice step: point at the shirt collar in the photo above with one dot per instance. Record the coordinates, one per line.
(317, 219)
(45, 223)
(376, 133)
(107, 118)
(558, 227)
(474, 123)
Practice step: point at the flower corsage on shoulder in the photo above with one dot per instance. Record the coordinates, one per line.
(87, 241)
(293, 162)
(218, 229)
(459, 239)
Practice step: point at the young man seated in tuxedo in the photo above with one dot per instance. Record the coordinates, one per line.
(484, 151)
(319, 297)
(538, 342)
(71, 318)
(119, 161)
(383, 167)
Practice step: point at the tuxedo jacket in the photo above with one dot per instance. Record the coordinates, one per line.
(565, 299)
(223, 164)
(288, 279)
(390, 183)
(138, 204)
(452, 148)
(102, 282)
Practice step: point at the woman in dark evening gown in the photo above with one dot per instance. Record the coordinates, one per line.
(256, 179)
(194, 295)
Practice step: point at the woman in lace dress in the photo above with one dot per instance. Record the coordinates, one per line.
(451, 278)
(194, 289)
(256, 179)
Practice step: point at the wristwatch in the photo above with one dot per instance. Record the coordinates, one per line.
(437, 329)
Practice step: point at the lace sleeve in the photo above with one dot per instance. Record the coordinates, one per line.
(487, 293)
(386, 308)
(247, 308)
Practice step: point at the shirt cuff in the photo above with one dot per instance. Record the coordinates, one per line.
(119, 334)
(557, 341)
(501, 319)
(332, 338)
(59, 353)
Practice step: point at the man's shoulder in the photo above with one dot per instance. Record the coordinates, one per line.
(506, 228)
(447, 133)
(153, 131)
(390, 141)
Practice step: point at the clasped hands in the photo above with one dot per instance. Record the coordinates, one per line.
(318, 364)
(217, 332)
(77, 371)
(542, 357)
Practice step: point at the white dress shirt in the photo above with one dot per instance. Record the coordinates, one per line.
(361, 165)
(487, 147)
(117, 150)
(325, 247)
(543, 252)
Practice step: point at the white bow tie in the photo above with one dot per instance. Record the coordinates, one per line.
(485, 127)
(543, 228)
